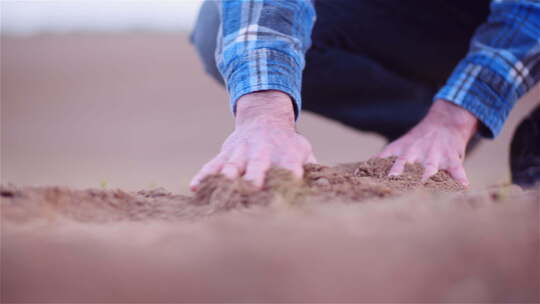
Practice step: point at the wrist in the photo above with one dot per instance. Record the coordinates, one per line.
(265, 107)
(453, 117)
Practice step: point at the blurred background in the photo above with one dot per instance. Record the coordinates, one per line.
(111, 94)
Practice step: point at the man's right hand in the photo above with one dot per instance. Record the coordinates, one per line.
(264, 136)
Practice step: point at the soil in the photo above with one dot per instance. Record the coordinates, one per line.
(347, 183)
(344, 233)
(354, 182)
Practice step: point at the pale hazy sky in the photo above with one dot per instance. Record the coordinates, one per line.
(31, 16)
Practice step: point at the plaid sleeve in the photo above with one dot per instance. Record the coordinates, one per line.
(261, 46)
(503, 63)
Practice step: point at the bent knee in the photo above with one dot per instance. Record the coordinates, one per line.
(204, 37)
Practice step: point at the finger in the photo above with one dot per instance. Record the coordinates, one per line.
(311, 159)
(431, 167)
(236, 164)
(293, 165)
(390, 150)
(458, 173)
(212, 167)
(398, 167)
(256, 170)
(385, 153)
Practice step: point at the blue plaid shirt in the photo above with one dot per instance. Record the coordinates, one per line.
(261, 46)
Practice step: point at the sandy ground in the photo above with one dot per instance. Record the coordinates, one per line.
(347, 234)
(136, 111)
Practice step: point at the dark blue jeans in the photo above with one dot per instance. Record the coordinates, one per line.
(374, 65)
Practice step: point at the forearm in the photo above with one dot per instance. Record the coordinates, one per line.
(501, 66)
(264, 48)
(455, 118)
(265, 107)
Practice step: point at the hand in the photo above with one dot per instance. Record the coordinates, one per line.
(438, 142)
(264, 136)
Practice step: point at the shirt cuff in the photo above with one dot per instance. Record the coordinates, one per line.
(481, 91)
(264, 69)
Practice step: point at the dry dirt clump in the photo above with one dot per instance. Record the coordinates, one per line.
(225, 194)
(350, 183)
(353, 182)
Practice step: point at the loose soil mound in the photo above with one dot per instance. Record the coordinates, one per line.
(344, 183)
(294, 241)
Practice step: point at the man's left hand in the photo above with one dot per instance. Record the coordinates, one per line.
(438, 142)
